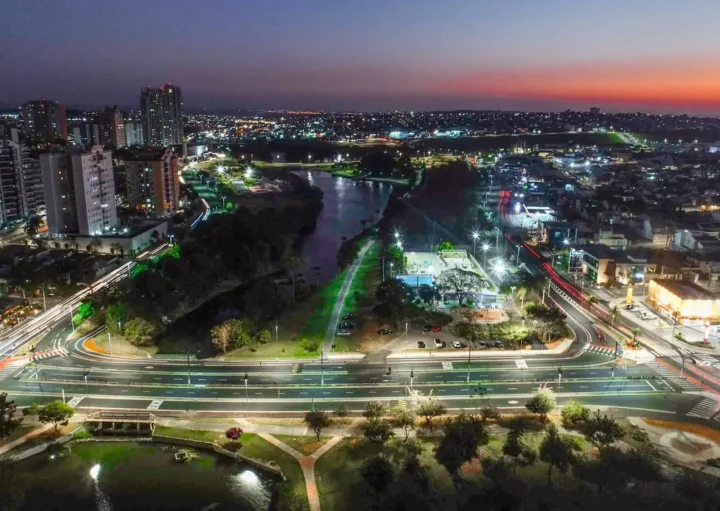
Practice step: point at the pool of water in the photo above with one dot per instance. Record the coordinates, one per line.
(127, 475)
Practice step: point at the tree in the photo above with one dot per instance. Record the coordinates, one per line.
(541, 403)
(223, 336)
(341, 411)
(614, 314)
(430, 408)
(309, 345)
(94, 245)
(574, 415)
(234, 433)
(115, 315)
(461, 283)
(140, 331)
(317, 421)
(547, 320)
(116, 248)
(373, 410)
(428, 294)
(32, 227)
(403, 418)
(85, 311)
(462, 437)
(378, 430)
(557, 451)
(378, 473)
(264, 337)
(395, 301)
(635, 333)
(55, 412)
(8, 421)
(603, 431)
(445, 245)
(489, 413)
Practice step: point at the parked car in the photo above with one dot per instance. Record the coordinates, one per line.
(436, 328)
(384, 331)
(481, 344)
(499, 344)
(348, 315)
(343, 333)
(427, 328)
(421, 344)
(456, 344)
(647, 315)
(439, 343)
(347, 326)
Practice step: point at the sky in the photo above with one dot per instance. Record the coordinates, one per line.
(620, 55)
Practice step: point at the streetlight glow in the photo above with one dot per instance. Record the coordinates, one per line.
(475, 235)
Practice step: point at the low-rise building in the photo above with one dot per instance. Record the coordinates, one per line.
(683, 300)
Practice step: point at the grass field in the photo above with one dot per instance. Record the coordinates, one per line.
(338, 472)
(303, 444)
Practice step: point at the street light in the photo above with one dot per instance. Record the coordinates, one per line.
(485, 247)
(475, 236)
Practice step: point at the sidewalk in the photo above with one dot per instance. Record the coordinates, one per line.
(344, 290)
(19, 441)
(481, 354)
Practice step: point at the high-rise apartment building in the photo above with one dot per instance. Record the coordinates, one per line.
(21, 194)
(111, 127)
(153, 185)
(134, 134)
(162, 117)
(79, 192)
(44, 120)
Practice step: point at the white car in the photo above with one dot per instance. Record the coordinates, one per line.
(647, 315)
(343, 333)
(456, 344)
(439, 344)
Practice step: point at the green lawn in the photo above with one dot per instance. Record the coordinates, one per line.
(216, 437)
(303, 444)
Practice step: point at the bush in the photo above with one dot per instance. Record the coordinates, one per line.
(574, 415)
(82, 434)
(309, 345)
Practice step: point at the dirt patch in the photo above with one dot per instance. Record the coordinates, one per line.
(703, 431)
(484, 315)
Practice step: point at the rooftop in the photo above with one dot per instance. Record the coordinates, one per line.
(685, 290)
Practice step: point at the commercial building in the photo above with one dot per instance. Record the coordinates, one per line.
(79, 192)
(44, 120)
(683, 300)
(129, 241)
(162, 117)
(153, 185)
(111, 126)
(20, 183)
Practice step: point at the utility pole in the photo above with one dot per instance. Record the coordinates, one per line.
(467, 379)
(188, 365)
(247, 404)
(44, 302)
(517, 259)
(412, 377)
(559, 381)
(322, 373)
(110, 341)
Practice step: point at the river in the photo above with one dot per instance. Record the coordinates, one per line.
(346, 202)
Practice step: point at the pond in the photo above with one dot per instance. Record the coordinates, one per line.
(127, 475)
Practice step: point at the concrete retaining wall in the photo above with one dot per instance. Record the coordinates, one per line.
(199, 444)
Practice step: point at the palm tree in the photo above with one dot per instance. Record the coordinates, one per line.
(635, 332)
(613, 314)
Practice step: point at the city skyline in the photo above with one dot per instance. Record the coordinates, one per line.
(648, 56)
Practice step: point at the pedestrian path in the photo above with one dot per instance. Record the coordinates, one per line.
(307, 463)
(704, 409)
(673, 377)
(660, 351)
(55, 352)
(602, 350)
(706, 360)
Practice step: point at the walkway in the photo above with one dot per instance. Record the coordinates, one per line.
(19, 441)
(307, 463)
(344, 290)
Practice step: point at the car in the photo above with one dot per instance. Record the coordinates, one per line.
(343, 333)
(499, 344)
(427, 328)
(439, 343)
(348, 315)
(347, 326)
(647, 315)
(481, 344)
(456, 344)
(384, 331)
(421, 344)
(436, 328)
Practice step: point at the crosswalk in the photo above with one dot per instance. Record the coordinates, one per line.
(704, 409)
(55, 352)
(11, 367)
(673, 377)
(602, 350)
(661, 351)
(706, 360)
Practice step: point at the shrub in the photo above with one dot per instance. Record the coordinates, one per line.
(574, 415)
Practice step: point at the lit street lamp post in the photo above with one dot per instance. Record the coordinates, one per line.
(475, 236)
(485, 247)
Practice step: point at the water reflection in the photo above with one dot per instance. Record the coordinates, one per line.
(346, 203)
